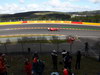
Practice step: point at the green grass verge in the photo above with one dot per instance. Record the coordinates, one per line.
(37, 41)
(81, 28)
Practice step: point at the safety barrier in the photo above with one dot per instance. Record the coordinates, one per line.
(8, 23)
(77, 22)
(66, 22)
(24, 21)
(69, 22)
(62, 22)
(87, 23)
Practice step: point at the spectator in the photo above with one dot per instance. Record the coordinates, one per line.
(28, 67)
(78, 60)
(34, 65)
(37, 67)
(5, 60)
(68, 61)
(3, 68)
(40, 67)
(63, 53)
(54, 59)
(86, 48)
(29, 50)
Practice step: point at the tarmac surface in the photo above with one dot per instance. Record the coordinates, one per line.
(65, 29)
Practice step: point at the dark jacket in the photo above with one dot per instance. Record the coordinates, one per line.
(54, 57)
(68, 59)
(38, 66)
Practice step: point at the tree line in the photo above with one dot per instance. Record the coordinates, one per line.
(95, 18)
(63, 17)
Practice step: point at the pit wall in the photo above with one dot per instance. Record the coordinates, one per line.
(62, 22)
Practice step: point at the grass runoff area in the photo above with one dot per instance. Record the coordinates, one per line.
(89, 66)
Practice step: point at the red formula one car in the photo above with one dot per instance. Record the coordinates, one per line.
(53, 29)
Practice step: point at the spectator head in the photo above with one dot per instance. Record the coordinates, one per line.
(86, 43)
(54, 51)
(35, 60)
(3, 55)
(35, 55)
(78, 52)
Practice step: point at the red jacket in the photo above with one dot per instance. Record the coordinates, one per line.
(65, 72)
(28, 68)
(2, 66)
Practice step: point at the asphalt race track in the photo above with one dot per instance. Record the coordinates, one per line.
(65, 29)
